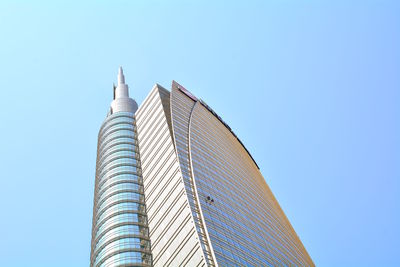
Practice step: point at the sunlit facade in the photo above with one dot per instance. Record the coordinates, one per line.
(120, 235)
(196, 196)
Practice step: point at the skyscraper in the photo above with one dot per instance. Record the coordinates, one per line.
(120, 234)
(181, 189)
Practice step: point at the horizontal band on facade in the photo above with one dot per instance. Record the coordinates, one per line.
(124, 173)
(144, 251)
(114, 116)
(121, 139)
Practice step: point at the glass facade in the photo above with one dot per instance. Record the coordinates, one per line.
(181, 107)
(238, 218)
(120, 235)
(244, 222)
(174, 239)
(176, 187)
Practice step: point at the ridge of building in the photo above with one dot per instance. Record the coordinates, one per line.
(194, 98)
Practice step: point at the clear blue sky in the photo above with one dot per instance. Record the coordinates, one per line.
(312, 88)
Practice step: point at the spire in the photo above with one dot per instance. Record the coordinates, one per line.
(121, 77)
(122, 89)
(121, 100)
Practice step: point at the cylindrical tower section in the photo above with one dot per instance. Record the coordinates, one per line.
(120, 234)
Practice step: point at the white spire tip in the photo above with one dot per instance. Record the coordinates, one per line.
(121, 78)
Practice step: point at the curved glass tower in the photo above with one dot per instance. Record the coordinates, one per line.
(207, 201)
(120, 235)
(173, 172)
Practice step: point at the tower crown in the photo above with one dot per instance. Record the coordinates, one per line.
(122, 101)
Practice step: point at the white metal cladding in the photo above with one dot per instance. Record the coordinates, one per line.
(181, 109)
(119, 232)
(173, 233)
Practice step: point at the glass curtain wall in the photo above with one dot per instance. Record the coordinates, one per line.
(120, 235)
